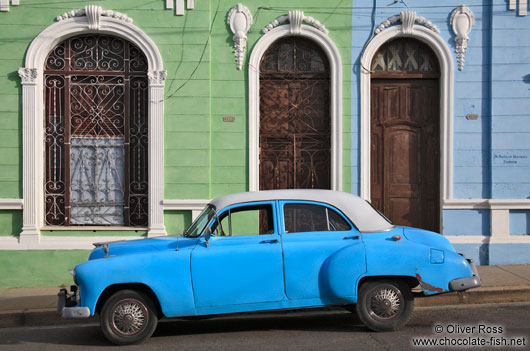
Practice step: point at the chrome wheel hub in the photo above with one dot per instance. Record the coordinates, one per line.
(129, 317)
(385, 303)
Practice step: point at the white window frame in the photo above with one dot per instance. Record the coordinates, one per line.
(92, 19)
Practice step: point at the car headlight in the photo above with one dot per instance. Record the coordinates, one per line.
(72, 272)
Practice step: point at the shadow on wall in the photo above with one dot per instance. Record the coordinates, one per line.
(526, 80)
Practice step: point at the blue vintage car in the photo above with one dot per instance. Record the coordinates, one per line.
(267, 250)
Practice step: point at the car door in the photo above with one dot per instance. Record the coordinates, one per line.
(242, 262)
(323, 251)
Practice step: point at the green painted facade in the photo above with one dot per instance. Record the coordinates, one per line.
(23, 269)
(204, 157)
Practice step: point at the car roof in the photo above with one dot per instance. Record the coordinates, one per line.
(360, 212)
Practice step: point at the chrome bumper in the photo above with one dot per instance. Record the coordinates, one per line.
(466, 283)
(66, 305)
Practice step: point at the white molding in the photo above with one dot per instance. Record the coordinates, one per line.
(523, 4)
(445, 58)
(461, 20)
(112, 23)
(59, 242)
(239, 19)
(185, 205)
(493, 204)
(4, 5)
(179, 7)
(327, 45)
(494, 239)
(11, 204)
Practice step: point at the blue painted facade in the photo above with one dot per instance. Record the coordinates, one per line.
(491, 154)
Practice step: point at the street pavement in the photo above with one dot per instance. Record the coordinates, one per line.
(500, 284)
(476, 327)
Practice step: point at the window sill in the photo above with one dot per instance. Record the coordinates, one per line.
(93, 228)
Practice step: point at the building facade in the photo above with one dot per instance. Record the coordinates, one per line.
(122, 119)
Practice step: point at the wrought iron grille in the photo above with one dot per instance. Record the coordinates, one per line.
(96, 133)
(404, 55)
(294, 116)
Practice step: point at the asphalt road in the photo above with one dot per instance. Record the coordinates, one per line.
(316, 330)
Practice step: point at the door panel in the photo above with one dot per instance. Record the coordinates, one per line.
(240, 266)
(237, 270)
(320, 264)
(405, 151)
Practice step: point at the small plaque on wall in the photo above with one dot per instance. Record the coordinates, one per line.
(229, 118)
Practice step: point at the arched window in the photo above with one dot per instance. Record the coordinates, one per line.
(96, 133)
(295, 121)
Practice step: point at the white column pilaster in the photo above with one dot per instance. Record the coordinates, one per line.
(30, 152)
(156, 153)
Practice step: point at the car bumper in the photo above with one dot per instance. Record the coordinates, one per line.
(462, 284)
(67, 305)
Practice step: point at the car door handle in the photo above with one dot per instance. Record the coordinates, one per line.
(272, 241)
(352, 237)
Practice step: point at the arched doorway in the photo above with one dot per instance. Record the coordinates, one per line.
(405, 133)
(295, 121)
(96, 133)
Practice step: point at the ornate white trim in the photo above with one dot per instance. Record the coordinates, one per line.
(295, 19)
(407, 19)
(93, 13)
(239, 19)
(112, 23)
(28, 75)
(445, 58)
(462, 20)
(11, 204)
(157, 78)
(321, 38)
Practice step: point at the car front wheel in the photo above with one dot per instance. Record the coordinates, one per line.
(384, 305)
(128, 317)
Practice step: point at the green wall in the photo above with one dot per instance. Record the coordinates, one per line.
(204, 157)
(32, 268)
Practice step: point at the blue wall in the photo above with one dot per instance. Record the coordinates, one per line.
(472, 89)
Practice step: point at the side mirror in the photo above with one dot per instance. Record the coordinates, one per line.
(207, 235)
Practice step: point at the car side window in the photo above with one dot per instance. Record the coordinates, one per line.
(312, 218)
(246, 220)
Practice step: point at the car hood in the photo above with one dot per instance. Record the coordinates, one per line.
(428, 238)
(130, 247)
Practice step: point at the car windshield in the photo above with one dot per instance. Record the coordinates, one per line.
(196, 228)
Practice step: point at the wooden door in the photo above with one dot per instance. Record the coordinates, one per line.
(294, 144)
(405, 151)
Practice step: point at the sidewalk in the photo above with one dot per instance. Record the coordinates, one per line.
(500, 284)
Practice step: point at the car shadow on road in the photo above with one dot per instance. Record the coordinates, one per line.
(335, 321)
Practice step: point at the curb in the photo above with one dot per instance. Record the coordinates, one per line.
(478, 296)
(49, 317)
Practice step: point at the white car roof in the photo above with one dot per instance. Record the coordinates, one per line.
(360, 212)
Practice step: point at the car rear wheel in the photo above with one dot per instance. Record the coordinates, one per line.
(128, 317)
(385, 305)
